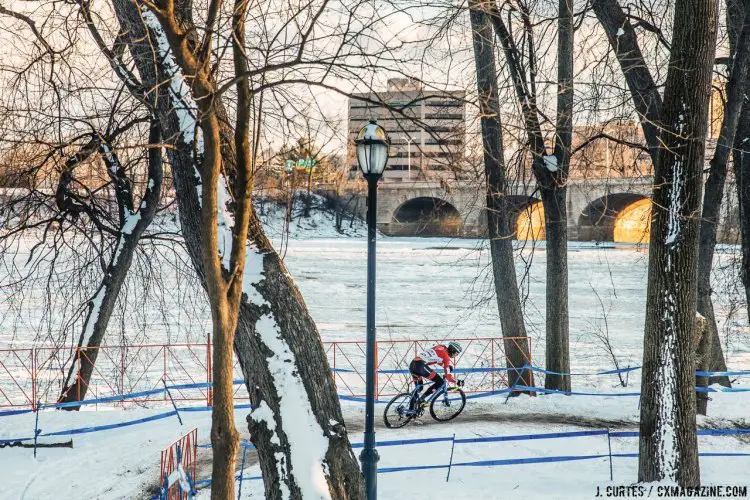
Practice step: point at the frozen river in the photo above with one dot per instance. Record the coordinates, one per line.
(426, 288)
(439, 288)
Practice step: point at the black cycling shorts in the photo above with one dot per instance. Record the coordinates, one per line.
(419, 368)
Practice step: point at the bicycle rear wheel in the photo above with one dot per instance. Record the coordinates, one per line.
(448, 406)
(397, 413)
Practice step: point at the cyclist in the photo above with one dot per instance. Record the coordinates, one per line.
(441, 355)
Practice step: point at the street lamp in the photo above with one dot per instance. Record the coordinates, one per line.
(372, 155)
(408, 140)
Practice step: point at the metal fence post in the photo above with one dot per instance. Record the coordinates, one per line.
(33, 379)
(209, 378)
(377, 365)
(492, 350)
(78, 375)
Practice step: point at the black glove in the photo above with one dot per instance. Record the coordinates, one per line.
(460, 383)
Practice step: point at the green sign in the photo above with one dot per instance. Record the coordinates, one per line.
(308, 164)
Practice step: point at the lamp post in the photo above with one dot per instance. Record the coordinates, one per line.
(408, 140)
(372, 155)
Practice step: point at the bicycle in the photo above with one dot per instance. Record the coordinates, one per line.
(408, 405)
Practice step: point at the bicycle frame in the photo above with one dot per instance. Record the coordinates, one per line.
(441, 390)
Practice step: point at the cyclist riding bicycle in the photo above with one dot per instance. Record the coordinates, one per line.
(441, 355)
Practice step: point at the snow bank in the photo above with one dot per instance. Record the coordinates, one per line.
(321, 222)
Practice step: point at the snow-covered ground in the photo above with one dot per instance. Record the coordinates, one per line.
(124, 462)
(427, 288)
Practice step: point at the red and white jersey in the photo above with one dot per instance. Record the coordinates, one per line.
(435, 355)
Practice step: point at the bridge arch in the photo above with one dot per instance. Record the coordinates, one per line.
(527, 217)
(428, 216)
(617, 217)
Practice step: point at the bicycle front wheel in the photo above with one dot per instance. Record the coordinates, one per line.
(397, 413)
(448, 406)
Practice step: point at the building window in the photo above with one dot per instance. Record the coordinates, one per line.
(443, 116)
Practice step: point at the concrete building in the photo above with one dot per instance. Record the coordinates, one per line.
(426, 129)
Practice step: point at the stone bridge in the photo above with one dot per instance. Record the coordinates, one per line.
(599, 209)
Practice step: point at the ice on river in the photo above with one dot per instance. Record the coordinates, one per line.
(426, 288)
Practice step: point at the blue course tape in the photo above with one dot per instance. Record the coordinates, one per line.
(404, 442)
(133, 395)
(107, 399)
(8, 413)
(701, 373)
(203, 385)
(722, 432)
(209, 408)
(626, 434)
(205, 482)
(490, 393)
(15, 440)
(243, 443)
(701, 432)
(707, 454)
(607, 372)
(549, 372)
(84, 430)
(524, 437)
(493, 463)
(533, 460)
(385, 470)
(573, 393)
(359, 399)
(722, 389)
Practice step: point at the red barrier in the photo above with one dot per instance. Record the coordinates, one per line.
(30, 375)
(17, 381)
(178, 467)
(486, 356)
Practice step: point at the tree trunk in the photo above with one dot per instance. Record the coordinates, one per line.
(498, 210)
(714, 194)
(668, 443)
(277, 344)
(624, 43)
(648, 104)
(225, 440)
(558, 337)
(551, 173)
(736, 24)
(554, 196)
(702, 359)
(741, 164)
(132, 225)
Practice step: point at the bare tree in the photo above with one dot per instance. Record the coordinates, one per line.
(737, 20)
(499, 213)
(668, 443)
(102, 209)
(133, 221)
(550, 168)
(276, 342)
(709, 349)
(648, 103)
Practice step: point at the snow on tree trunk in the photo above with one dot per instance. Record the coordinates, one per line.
(668, 443)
